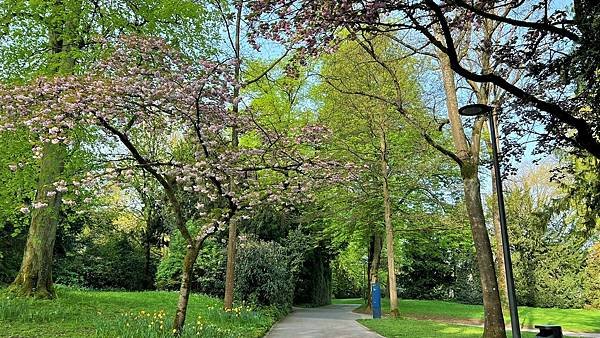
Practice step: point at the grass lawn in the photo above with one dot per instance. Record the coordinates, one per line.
(402, 327)
(125, 314)
(357, 301)
(574, 320)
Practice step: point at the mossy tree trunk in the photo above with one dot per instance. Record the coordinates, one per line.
(35, 275)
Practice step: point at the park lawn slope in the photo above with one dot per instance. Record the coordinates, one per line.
(573, 320)
(78, 313)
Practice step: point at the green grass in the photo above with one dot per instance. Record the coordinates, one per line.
(402, 327)
(347, 301)
(110, 314)
(574, 320)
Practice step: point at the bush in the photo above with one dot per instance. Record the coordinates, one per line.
(262, 274)
(467, 284)
(209, 271)
(558, 276)
(111, 263)
(591, 280)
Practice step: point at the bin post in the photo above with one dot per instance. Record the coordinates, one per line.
(549, 331)
(376, 299)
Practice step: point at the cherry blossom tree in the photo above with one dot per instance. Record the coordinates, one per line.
(550, 46)
(146, 88)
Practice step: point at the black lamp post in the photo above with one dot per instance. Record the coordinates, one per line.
(479, 110)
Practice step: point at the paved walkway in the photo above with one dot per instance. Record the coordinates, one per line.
(338, 321)
(332, 321)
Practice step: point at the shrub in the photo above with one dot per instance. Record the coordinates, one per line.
(558, 276)
(209, 270)
(262, 274)
(111, 263)
(591, 280)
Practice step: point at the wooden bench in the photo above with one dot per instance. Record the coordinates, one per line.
(553, 331)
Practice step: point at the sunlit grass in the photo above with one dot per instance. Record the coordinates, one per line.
(574, 320)
(402, 327)
(78, 313)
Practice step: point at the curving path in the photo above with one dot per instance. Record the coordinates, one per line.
(332, 321)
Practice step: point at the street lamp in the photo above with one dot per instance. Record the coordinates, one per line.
(479, 110)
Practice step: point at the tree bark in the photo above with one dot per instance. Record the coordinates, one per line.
(230, 270)
(494, 321)
(35, 275)
(374, 261)
(469, 165)
(232, 236)
(185, 289)
(389, 230)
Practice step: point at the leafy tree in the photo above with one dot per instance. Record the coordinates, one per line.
(400, 175)
(65, 33)
(548, 249)
(537, 29)
(591, 283)
(133, 90)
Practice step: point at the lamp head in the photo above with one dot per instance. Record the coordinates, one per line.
(475, 110)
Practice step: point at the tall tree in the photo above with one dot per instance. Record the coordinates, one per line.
(66, 31)
(374, 135)
(35, 275)
(541, 30)
(144, 85)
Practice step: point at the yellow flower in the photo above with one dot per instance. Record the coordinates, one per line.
(174, 330)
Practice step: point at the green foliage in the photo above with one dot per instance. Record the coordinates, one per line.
(582, 187)
(558, 275)
(263, 275)
(79, 314)
(467, 284)
(28, 27)
(209, 271)
(433, 266)
(313, 287)
(592, 282)
(112, 262)
(18, 190)
(548, 253)
(349, 272)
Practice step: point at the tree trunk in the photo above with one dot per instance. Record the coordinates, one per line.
(494, 321)
(232, 237)
(185, 288)
(148, 276)
(35, 275)
(374, 259)
(389, 230)
(469, 163)
(230, 270)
